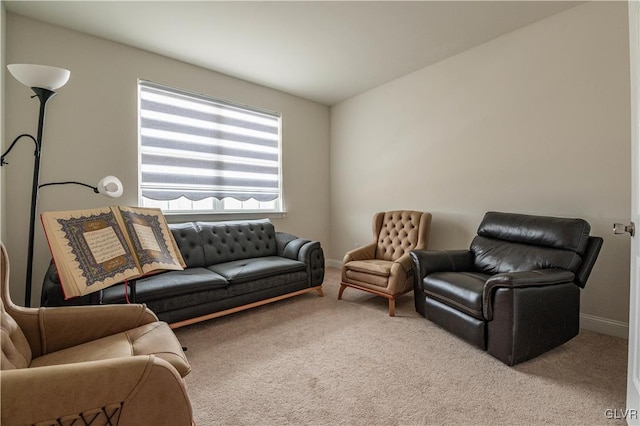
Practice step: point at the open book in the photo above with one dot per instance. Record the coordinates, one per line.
(96, 248)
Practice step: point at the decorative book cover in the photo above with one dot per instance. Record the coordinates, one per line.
(96, 248)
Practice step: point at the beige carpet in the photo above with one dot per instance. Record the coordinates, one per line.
(319, 361)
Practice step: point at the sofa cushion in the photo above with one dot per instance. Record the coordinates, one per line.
(373, 272)
(192, 305)
(244, 270)
(379, 267)
(168, 284)
(237, 240)
(459, 290)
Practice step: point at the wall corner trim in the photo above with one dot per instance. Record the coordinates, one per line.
(604, 326)
(333, 263)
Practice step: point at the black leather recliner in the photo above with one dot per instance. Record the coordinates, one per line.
(516, 292)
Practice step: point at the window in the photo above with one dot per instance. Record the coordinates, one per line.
(203, 154)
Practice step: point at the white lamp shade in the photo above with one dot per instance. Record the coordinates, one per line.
(110, 186)
(42, 76)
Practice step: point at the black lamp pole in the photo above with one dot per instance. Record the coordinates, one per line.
(43, 95)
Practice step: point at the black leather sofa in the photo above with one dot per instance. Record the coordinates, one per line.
(231, 266)
(516, 291)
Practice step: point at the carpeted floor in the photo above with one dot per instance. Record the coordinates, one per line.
(319, 361)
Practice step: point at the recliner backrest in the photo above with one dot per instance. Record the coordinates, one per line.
(509, 242)
(16, 352)
(398, 232)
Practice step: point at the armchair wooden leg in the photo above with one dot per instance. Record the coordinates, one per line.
(342, 287)
(320, 292)
(391, 298)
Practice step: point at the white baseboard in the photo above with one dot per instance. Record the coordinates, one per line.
(333, 263)
(604, 326)
(588, 322)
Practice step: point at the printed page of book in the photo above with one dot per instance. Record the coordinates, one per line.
(89, 249)
(151, 239)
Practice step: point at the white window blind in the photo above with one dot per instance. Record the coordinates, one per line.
(205, 154)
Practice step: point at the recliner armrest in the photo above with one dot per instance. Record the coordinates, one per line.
(58, 326)
(131, 390)
(535, 278)
(430, 261)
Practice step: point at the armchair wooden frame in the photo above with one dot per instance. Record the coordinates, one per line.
(384, 267)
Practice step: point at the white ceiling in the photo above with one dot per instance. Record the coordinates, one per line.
(319, 50)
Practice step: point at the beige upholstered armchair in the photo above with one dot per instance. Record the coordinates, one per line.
(384, 267)
(96, 365)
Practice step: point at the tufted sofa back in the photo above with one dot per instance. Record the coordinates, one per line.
(227, 241)
(208, 243)
(400, 231)
(508, 242)
(187, 237)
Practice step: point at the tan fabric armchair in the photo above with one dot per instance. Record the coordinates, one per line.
(94, 365)
(384, 267)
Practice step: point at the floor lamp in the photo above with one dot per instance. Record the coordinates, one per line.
(43, 80)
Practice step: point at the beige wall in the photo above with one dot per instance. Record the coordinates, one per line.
(91, 131)
(3, 135)
(536, 121)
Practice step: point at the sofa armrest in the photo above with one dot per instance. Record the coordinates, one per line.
(312, 255)
(130, 390)
(430, 261)
(309, 252)
(58, 326)
(289, 245)
(535, 278)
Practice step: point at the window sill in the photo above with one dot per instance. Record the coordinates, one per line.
(209, 216)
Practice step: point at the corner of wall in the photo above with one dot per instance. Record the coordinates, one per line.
(604, 326)
(3, 31)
